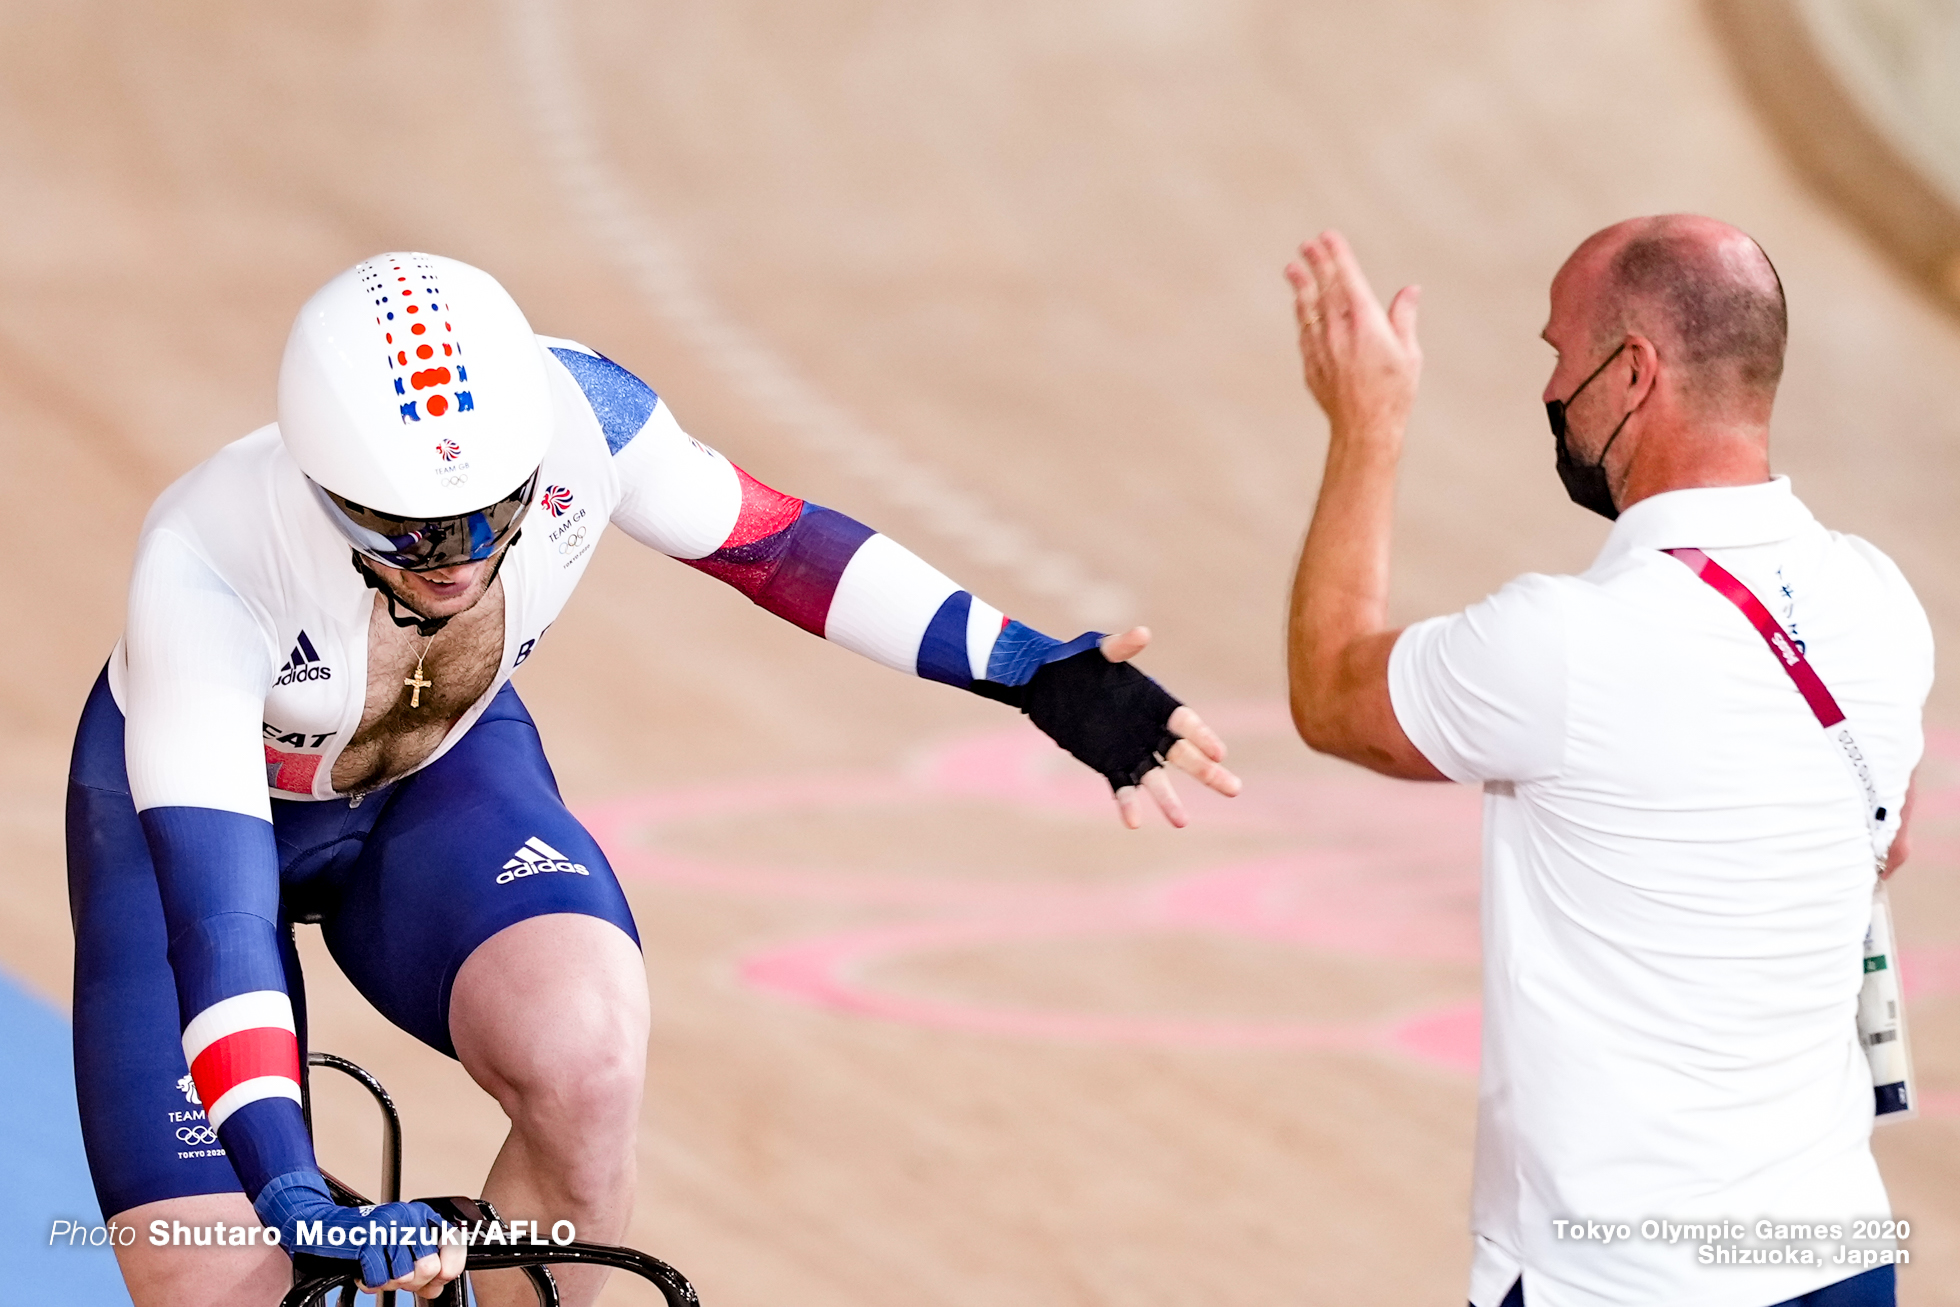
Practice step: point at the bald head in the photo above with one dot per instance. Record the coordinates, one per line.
(1704, 292)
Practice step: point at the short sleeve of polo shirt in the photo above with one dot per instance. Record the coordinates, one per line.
(1482, 693)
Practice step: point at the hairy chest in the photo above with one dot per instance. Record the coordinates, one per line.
(417, 688)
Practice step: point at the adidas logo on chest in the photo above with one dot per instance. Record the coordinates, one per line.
(534, 856)
(303, 664)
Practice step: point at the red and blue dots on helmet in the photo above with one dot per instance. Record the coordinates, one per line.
(424, 352)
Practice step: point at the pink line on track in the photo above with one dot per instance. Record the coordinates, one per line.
(1385, 871)
(1929, 972)
(1344, 893)
(822, 972)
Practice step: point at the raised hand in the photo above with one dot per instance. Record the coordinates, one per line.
(1362, 364)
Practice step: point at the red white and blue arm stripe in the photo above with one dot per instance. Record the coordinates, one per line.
(810, 565)
(218, 875)
(837, 578)
(198, 664)
(243, 1049)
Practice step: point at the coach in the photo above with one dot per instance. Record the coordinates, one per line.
(1678, 863)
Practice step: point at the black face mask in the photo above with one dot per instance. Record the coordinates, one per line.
(1585, 483)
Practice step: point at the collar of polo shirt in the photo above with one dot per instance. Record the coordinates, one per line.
(1709, 517)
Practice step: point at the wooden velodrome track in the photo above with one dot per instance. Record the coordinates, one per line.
(1003, 279)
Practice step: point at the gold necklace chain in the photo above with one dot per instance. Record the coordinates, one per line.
(416, 683)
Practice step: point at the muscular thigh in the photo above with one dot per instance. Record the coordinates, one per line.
(475, 843)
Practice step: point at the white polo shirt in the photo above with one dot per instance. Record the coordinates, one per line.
(1677, 880)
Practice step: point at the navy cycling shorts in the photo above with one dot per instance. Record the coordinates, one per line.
(405, 884)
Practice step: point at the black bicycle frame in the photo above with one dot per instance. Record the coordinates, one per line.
(316, 1277)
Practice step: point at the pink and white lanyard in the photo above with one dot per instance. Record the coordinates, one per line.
(1809, 685)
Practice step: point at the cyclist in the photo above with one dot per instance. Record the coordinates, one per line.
(358, 581)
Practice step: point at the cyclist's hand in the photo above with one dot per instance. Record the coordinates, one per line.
(1126, 726)
(397, 1244)
(431, 1272)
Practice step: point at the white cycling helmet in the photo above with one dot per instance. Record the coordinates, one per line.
(414, 396)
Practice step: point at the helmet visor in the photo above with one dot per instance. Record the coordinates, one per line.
(424, 544)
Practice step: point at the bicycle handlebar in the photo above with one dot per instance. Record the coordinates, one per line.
(316, 1277)
(314, 1286)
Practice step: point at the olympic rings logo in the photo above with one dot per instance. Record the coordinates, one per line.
(197, 1136)
(572, 540)
(460, 478)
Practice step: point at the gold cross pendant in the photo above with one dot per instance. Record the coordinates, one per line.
(416, 681)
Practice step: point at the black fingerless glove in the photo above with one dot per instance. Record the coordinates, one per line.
(1108, 715)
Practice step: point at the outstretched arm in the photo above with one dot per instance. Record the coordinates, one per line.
(1362, 365)
(837, 578)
